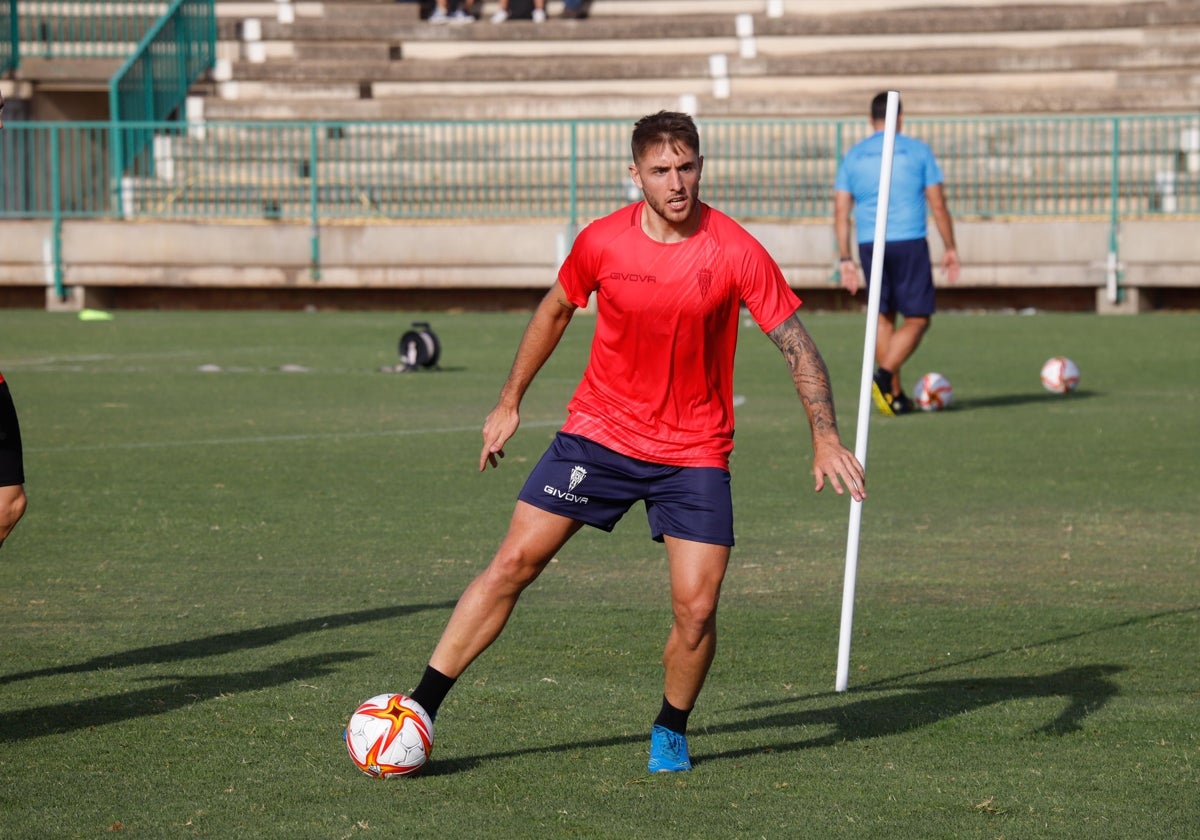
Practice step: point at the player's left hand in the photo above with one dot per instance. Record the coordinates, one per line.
(951, 265)
(838, 465)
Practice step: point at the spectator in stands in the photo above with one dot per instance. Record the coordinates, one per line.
(12, 465)
(573, 10)
(907, 280)
(539, 12)
(462, 12)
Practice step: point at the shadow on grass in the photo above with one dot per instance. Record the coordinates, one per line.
(907, 707)
(165, 697)
(1000, 400)
(1132, 621)
(897, 704)
(223, 643)
(184, 691)
(901, 709)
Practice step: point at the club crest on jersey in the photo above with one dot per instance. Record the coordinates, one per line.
(578, 474)
(704, 281)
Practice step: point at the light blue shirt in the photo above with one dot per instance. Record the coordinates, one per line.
(913, 169)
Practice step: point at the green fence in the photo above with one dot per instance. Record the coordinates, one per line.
(1112, 167)
(10, 54)
(154, 81)
(82, 28)
(323, 173)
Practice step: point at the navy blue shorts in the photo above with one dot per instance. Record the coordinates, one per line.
(590, 483)
(907, 283)
(12, 465)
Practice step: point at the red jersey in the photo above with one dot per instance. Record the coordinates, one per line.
(659, 383)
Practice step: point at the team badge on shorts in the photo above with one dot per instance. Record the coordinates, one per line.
(578, 474)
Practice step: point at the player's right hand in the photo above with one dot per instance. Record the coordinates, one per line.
(500, 425)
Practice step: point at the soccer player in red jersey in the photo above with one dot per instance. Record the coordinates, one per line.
(652, 418)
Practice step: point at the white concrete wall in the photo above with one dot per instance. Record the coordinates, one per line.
(1015, 254)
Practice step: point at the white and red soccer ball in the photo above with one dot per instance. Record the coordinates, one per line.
(1060, 375)
(933, 392)
(389, 735)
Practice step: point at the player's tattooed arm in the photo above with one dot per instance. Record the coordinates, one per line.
(832, 462)
(809, 373)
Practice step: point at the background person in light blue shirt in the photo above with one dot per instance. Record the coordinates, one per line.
(907, 280)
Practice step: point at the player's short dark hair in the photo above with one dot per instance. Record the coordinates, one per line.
(879, 107)
(669, 127)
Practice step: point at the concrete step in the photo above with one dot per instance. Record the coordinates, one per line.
(53, 74)
(563, 57)
(1161, 93)
(741, 90)
(933, 62)
(909, 21)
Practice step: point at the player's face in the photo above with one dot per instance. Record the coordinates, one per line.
(669, 177)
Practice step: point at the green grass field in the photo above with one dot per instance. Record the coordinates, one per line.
(218, 565)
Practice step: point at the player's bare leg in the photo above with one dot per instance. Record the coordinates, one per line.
(533, 538)
(12, 508)
(697, 571)
(883, 337)
(901, 343)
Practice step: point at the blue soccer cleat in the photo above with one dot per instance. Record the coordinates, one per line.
(668, 751)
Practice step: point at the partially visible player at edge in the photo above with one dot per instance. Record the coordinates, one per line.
(652, 418)
(12, 465)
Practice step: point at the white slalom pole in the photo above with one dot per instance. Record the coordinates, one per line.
(864, 391)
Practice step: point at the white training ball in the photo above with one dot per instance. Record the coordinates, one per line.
(389, 735)
(1060, 375)
(933, 392)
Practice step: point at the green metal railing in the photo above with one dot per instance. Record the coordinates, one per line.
(82, 28)
(10, 48)
(1114, 168)
(166, 47)
(1119, 166)
(154, 81)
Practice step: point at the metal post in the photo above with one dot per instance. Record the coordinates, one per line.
(56, 220)
(1111, 274)
(314, 198)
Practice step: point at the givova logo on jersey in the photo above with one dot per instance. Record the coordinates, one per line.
(578, 474)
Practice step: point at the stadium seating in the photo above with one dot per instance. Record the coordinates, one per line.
(370, 59)
(374, 62)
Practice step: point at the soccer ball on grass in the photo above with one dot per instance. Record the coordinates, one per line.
(389, 735)
(933, 392)
(1060, 375)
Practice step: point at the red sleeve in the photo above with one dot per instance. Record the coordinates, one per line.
(764, 289)
(580, 272)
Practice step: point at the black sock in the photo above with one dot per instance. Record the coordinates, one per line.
(432, 690)
(674, 719)
(887, 376)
